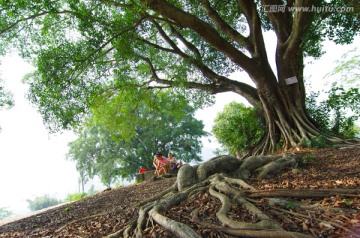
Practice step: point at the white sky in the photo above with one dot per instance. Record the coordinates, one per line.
(32, 163)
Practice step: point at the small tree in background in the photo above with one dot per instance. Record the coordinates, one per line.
(338, 113)
(347, 69)
(123, 135)
(6, 98)
(238, 128)
(91, 190)
(4, 213)
(42, 202)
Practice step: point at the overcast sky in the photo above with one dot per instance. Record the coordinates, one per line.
(32, 163)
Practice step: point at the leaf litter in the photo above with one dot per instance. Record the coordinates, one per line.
(108, 211)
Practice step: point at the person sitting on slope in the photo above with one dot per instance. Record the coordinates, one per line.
(162, 165)
(174, 162)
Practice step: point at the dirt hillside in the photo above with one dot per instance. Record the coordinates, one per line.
(109, 211)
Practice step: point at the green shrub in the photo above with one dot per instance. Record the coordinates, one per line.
(75, 196)
(290, 206)
(309, 159)
(338, 113)
(4, 213)
(317, 142)
(238, 128)
(41, 202)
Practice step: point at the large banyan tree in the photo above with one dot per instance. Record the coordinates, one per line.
(88, 51)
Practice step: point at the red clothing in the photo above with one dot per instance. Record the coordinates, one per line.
(163, 161)
(142, 170)
(162, 165)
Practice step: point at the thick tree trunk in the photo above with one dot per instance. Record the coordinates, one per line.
(283, 100)
(287, 123)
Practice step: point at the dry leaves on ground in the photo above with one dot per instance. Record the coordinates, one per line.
(109, 211)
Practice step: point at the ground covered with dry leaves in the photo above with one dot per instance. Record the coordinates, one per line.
(332, 216)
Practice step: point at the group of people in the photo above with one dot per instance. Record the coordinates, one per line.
(164, 165)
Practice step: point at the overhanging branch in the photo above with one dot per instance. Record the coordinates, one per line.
(32, 17)
(223, 85)
(281, 21)
(298, 26)
(226, 28)
(205, 30)
(254, 21)
(219, 83)
(114, 3)
(189, 45)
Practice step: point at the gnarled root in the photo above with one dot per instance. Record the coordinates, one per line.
(220, 179)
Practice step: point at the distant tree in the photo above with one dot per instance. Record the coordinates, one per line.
(347, 70)
(340, 109)
(338, 113)
(6, 98)
(41, 202)
(119, 140)
(4, 213)
(91, 190)
(82, 178)
(238, 128)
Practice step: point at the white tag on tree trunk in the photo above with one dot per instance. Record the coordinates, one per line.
(291, 80)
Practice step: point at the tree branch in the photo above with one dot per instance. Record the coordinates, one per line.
(227, 29)
(189, 45)
(116, 4)
(157, 46)
(31, 18)
(219, 83)
(225, 85)
(169, 21)
(281, 21)
(169, 41)
(205, 30)
(254, 21)
(298, 26)
(103, 46)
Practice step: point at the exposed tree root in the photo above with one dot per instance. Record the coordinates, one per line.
(284, 203)
(129, 225)
(315, 219)
(222, 177)
(302, 193)
(265, 224)
(245, 233)
(264, 234)
(178, 228)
